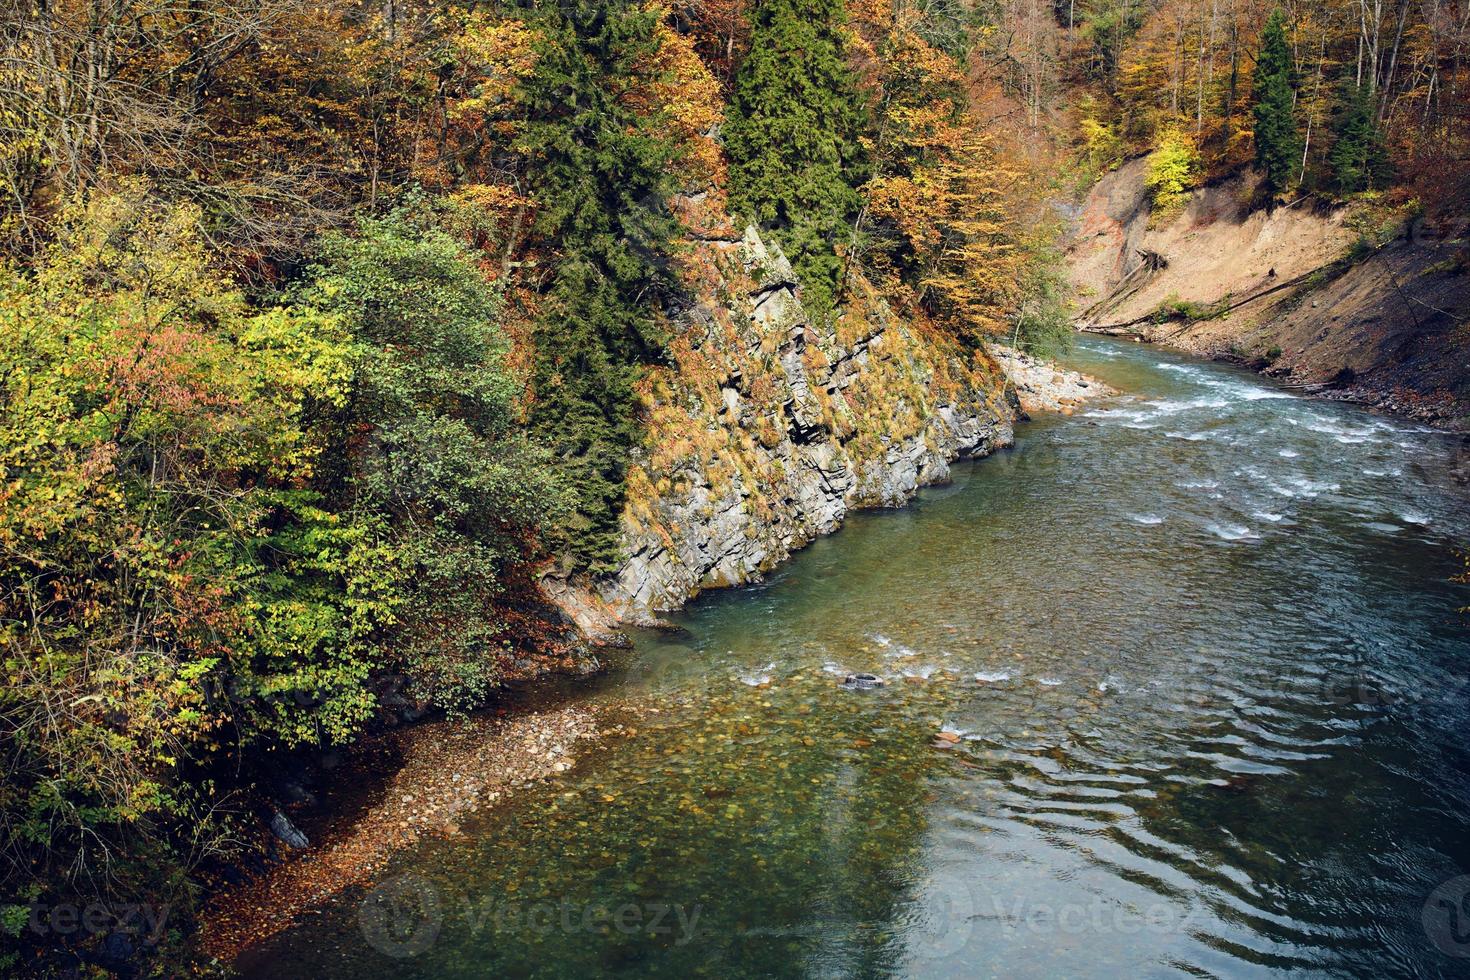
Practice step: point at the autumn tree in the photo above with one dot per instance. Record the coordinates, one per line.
(720, 30)
(264, 114)
(1172, 171)
(942, 234)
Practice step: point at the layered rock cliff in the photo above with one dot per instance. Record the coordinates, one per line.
(772, 424)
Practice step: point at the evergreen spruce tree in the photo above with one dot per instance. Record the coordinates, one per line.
(793, 137)
(1359, 159)
(600, 176)
(1278, 147)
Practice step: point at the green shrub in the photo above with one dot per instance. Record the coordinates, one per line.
(437, 473)
(219, 523)
(154, 432)
(1173, 169)
(1043, 319)
(1190, 311)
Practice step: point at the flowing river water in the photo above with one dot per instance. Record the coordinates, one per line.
(1176, 687)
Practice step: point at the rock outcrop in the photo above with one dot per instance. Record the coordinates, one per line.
(773, 424)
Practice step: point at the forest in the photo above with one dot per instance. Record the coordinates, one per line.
(325, 326)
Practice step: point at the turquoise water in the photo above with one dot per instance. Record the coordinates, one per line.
(1176, 687)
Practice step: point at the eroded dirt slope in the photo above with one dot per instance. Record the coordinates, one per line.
(1277, 290)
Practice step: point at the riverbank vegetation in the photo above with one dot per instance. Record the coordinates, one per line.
(320, 331)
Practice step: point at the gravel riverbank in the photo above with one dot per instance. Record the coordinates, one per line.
(449, 769)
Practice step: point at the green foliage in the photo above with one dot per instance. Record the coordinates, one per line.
(1359, 158)
(1361, 248)
(796, 162)
(442, 491)
(1044, 319)
(148, 423)
(220, 520)
(1278, 145)
(1173, 169)
(1189, 311)
(600, 172)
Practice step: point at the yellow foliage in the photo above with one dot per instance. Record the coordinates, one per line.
(499, 53)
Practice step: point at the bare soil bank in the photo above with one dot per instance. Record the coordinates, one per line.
(1288, 292)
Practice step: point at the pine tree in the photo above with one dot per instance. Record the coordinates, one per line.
(1278, 147)
(793, 137)
(1359, 159)
(600, 175)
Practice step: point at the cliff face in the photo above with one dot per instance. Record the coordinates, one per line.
(771, 425)
(1279, 290)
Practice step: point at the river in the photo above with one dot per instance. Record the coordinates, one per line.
(1178, 686)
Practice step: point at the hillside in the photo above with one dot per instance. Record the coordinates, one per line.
(1294, 291)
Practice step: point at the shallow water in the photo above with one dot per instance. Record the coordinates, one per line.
(1178, 686)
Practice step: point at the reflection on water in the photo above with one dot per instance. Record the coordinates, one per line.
(1176, 687)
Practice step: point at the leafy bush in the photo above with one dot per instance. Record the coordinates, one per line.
(1190, 311)
(217, 524)
(1043, 319)
(151, 429)
(1173, 169)
(437, 472)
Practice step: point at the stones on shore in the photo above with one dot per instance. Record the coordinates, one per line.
(447, 771)
(1043, 387)
(287, 833)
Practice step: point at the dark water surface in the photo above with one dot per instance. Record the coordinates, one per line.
(1204, 697)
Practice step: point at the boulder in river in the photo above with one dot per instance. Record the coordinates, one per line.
(863, 682)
